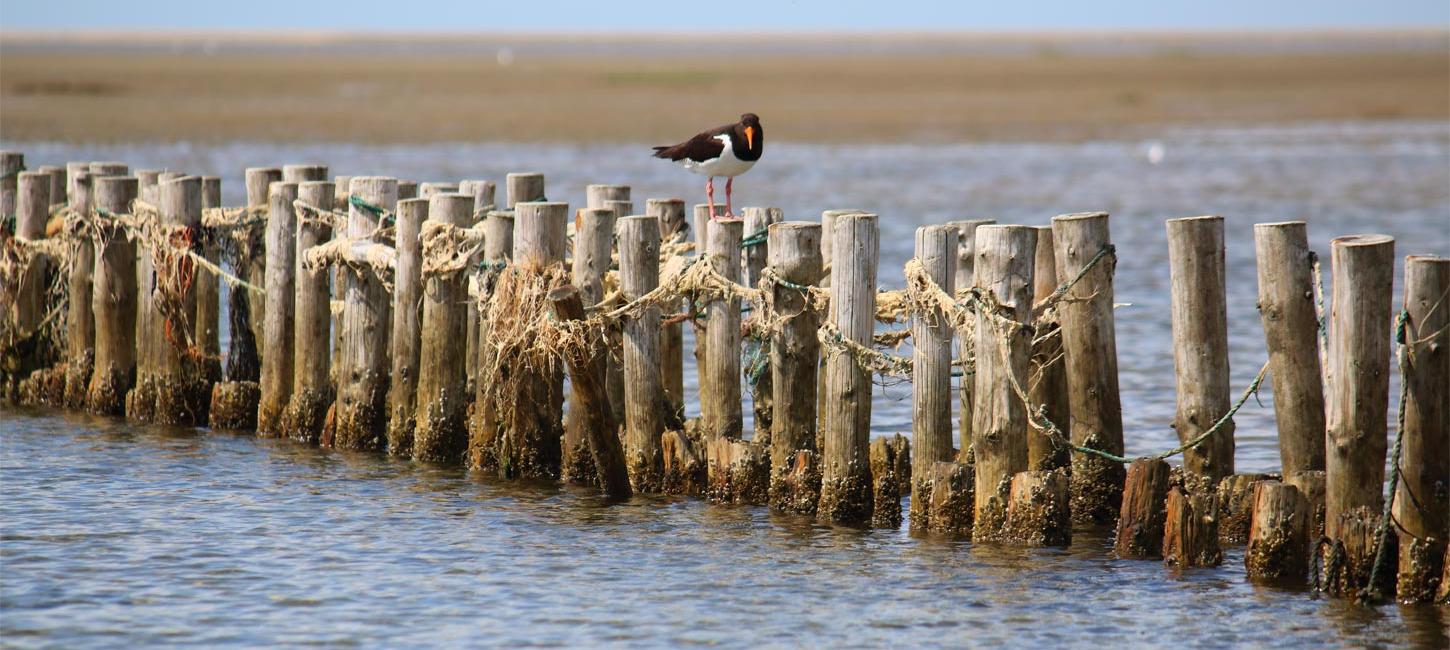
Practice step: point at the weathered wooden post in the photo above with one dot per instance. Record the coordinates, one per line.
(1286, 306)
(966, 263)
(279, 326)
(362, 375)
(1038, 509)
(182, 391)
(1422, 500)
(846, 477)
(32, 210)
(483, 429)
(720, 379)
(1200, 345)
(952, 500)
(407, 189)
(931, 377)
(11, 164)
(702, 248)
(114, 299)
(1091, 352)
(1311, 485)
(595, 195)
(482, 192)
(795, 352)
(342, 188)
(430, 190)
(207, 325)
(251, 264)
(756, 250)
(1236, 506)
(524, 187)
(81, 329)
(1190, 531)
(1049, 370)
(639, 274)
(442, 394)
(407, 326)
(1279, 535)
(312, 393)
(586, 370)
(593, 241)
(672, 226)
(1145, 496)
(890, 459)
(57, 181)
(1359, 374)
(300, 174)
(1004, 266)
(141, 401)
(530, 444)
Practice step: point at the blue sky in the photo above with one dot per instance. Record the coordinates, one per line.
(717, 15)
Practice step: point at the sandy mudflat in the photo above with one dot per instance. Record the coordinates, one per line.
(648, 88)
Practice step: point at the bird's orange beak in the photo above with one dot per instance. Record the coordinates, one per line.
(750, 137)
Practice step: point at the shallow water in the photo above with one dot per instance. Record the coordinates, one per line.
(119, 535)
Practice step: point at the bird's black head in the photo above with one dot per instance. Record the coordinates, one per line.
(754, 134)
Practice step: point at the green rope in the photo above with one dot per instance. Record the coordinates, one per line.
(1382, 532)
(384, 217)
(756, 238)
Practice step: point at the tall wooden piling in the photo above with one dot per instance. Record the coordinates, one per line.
(206, 329)
(1359, 374)
(1145, 496)
(482, 192)
(57, 181)
(279, 326)
(720, 403)
(312, 393)
(81, 336)
(1422, 499)
(757, 244)
(11, 164)
(362, 374)
(890, 473)
(342, 189)
(1286, 307)
(1091, 352)
(931, 377)
(1200, 344)
(639, 274)
(32, 211)
(672, 225)
(795, 460)
(150, 342)
(483, 429)
(182, 392)
(251, 264)
(702, 247)
(1048, 385)
(114, 299)
(442, 394)
(586, 372)
(1279, 543)
(593, 241)
(965, 265)
(846, 477)
(405, 354)
(1004, 264)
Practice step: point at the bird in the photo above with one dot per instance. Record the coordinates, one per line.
(728, 151)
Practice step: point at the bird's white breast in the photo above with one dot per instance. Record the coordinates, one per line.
(725, 165)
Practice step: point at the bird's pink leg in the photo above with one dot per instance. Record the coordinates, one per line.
(710, 196)
(729, 212)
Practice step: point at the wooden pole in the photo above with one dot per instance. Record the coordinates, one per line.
(1140, 527)
(1279, 535)
(312, 393)
(757, 221)
(672, 224)
(442, 397)
(279, 328)
(342, 186)
(82, 339)
(890, 472)
(531, 433)
(181, 390)
(11, 164)
(207, 325)
(252, 265)
(1091, 351)
(408, 335)
(702, 247)
(1359, 374)
(1286, 306)
(720, 379)
(795, 352)
(1048, 385)
(141, 401)
(362, 375)
(57, 181)
(1346, 562)
(1038, 510)
(1004, 266)
(639, 274)
(482, 192)
(1190, 531)
(483, 431)
(32, 211)
(407, 190)
(846, 479)
(524, 187)
(966, 262)
(1200, 344)
(1422, 499)
(952, 499)
(114, 301)
(300, 174)
(931, 377)
(596, 195)
(1311, 485)
(586, 371)
(593, 241)
(430, 190)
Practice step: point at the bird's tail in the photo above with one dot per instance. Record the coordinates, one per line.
(660, 151)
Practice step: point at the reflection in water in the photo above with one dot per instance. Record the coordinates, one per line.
(120, 535)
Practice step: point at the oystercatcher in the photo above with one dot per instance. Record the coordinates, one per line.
(728, 151)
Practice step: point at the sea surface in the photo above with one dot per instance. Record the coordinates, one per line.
(115, 535)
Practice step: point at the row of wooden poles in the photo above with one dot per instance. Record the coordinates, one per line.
(400, 371)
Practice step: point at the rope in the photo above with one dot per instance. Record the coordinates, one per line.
(1382, 532)
(757, 238)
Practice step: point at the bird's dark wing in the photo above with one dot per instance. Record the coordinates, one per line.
(700, 148)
